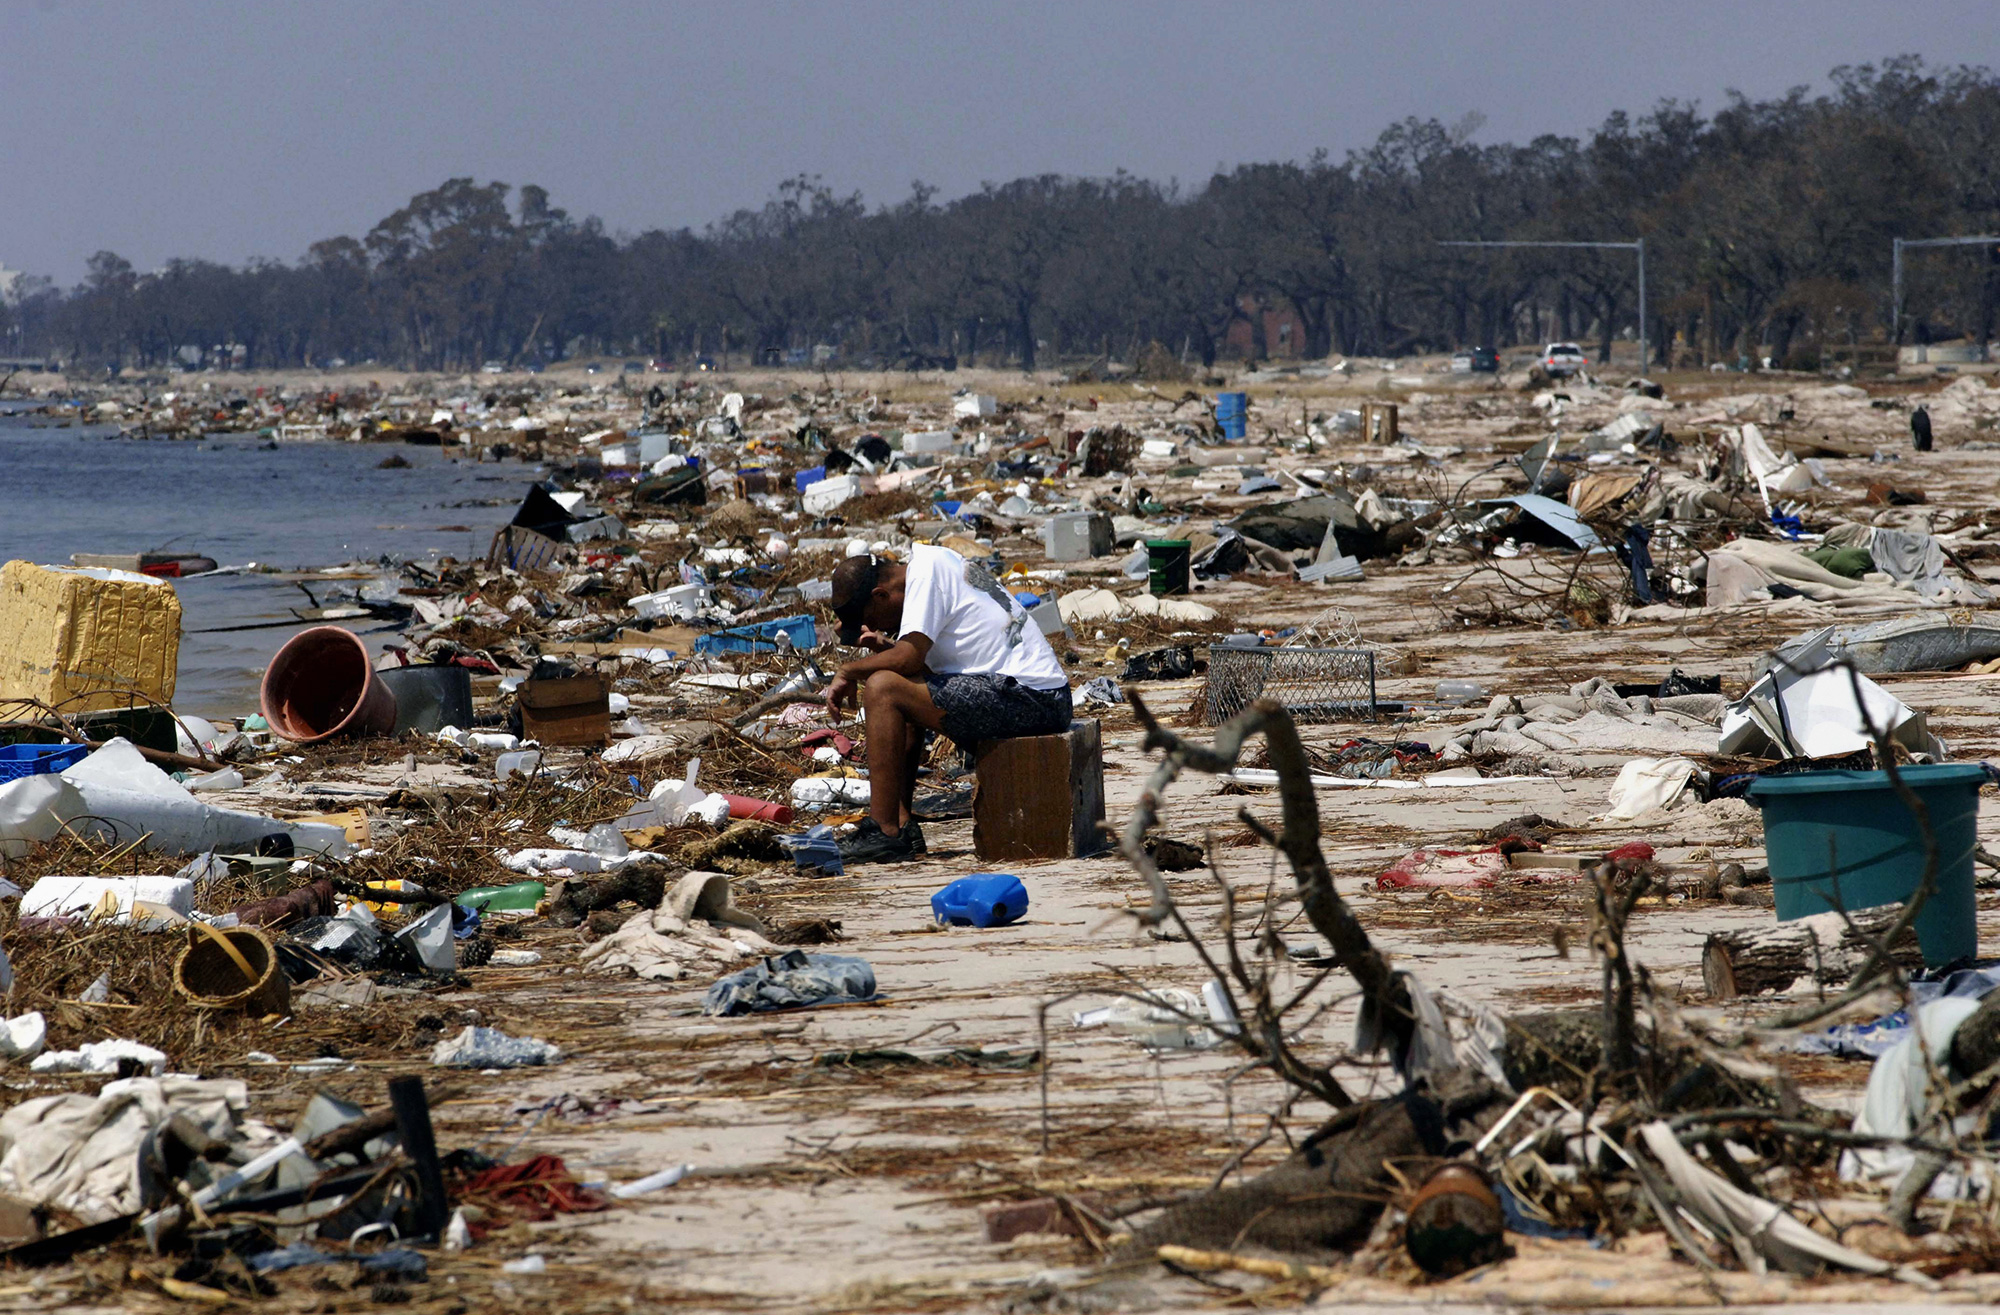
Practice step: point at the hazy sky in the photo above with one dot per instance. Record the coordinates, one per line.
(229, 130)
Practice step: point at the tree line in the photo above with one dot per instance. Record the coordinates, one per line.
(1768, 226)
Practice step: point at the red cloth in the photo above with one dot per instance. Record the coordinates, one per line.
(535, 1189)
(833, 737)
(1454, 867)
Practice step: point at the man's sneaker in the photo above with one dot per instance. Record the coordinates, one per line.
(914, 834)
(869, 843)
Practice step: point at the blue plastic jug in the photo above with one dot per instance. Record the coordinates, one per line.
(984, 899)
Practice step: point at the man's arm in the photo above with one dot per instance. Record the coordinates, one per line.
(905, 657)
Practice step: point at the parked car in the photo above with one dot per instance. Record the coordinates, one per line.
(493, 367)
(1563, 358)
(1476, 360)
(633, 367)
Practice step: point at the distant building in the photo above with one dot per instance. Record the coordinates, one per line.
(10, 285)
(1284, 332)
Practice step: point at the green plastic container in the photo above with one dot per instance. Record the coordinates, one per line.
(1848, 832)
(1167, 566)
(521, 897)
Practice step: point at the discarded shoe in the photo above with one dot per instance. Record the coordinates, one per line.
(869, 843)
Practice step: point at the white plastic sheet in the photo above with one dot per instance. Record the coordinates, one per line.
(1645, 784)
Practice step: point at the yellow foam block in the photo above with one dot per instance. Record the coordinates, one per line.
(87, 639)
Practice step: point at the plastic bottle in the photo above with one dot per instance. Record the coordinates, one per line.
(398, 886)
(520, 897)
(523, 762)
(118, 793)
(1460, 691)
(984, 899)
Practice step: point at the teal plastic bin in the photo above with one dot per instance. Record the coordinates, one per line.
(1848, 832)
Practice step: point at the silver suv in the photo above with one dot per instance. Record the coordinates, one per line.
(1563, 358)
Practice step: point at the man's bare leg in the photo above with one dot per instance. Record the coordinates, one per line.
(913, 766)
(897, 708)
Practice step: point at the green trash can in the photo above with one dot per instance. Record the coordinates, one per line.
(1847, 834)
(1167, 566)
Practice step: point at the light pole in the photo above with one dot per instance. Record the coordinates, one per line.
(1896, 247)
(1639, 246)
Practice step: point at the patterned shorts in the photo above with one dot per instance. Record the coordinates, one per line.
(997, 708)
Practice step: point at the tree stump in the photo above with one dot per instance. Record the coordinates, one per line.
(1823, 947)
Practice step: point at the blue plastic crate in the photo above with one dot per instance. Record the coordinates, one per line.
(761, 638)
(19, 760)
(807, 478)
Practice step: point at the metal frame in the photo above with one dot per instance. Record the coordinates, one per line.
(1324, 684)
(1896, 248)
(1638, 245)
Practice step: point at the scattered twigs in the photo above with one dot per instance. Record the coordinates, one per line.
(1614, 905)
(1383, 995)
(1203, 1261)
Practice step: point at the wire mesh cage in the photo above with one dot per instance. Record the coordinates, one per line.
(1313, 684)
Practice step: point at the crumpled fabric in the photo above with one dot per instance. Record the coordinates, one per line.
(697, 926)
(489, 1047)
(536, 1189)
(1682, 497)
(1439, 1049)
(1916, 559)
(1591, 719)
(1592, 493)
(80, 1153)
(1645, 784)
(1090, 605)
(1743, 570)
(1101, 689)
(676, 739)
(1169, 609)
(790, 981)
(1899, 1097)
(1428, 868)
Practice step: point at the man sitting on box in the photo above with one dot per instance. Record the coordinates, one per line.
(952, 652)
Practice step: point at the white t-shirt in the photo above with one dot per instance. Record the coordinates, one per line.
(974, 625)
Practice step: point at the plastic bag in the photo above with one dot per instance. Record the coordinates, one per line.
(830, 790)
(789, 981)
(430, 938)
(489, 1047)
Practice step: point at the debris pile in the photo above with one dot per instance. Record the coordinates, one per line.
(560, 842)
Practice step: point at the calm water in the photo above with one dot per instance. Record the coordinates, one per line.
(302, 506)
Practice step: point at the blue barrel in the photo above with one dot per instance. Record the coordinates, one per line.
(1232, 414)
(1846, 836)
